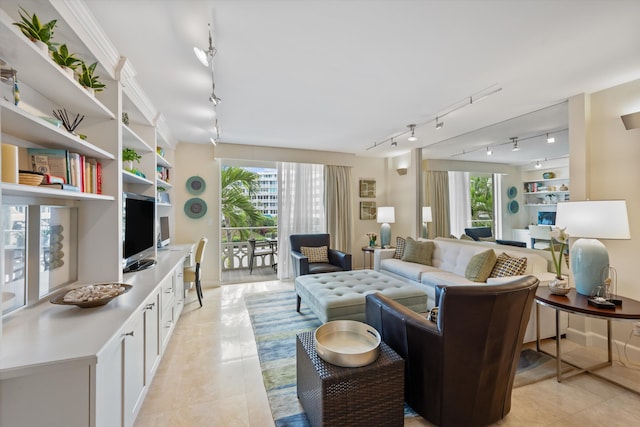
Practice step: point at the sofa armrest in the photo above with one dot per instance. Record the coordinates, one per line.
(379, 255)
(300, 264)
(341, 259)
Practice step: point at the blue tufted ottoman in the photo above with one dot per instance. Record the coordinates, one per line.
(341, 295)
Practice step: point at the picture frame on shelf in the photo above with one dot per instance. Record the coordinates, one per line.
(368, 210)
(368, 188)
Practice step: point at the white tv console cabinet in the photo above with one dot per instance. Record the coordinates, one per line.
(68, 366)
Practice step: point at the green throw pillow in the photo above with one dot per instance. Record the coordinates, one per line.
(420, 252)
(480, 266)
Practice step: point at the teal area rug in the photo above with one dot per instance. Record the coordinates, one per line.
(275, 325)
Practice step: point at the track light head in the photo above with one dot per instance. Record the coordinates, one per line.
(538, 165)
(515, 143)
(489, 151)
(205, 56)
(393, 143)
(439, 124)
(412, 137)
(214, 99)
(550, 139)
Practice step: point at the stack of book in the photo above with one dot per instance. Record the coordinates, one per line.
(67, 171)
(163, 173)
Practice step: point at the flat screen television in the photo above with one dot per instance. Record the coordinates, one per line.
(164, 239)
(546, 218)
(138, 232)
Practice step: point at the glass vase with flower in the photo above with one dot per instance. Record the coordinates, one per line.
(560, 284)
(372, 239)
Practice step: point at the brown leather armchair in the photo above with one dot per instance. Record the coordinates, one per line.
(459, 371)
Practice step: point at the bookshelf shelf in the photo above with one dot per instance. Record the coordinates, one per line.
(131, 139)
(132, 178)
(161, 161)
(34, 190)
(32, 63)
(161, 183)
(28, 130)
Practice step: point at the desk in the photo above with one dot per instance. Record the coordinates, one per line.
(368, 250)
(575, 303)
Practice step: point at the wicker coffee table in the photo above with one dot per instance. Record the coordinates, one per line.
(371, 395)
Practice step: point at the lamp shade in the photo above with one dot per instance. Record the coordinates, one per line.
(386, 214)
(631, 121)
(426, 214)
(595, 219)
(592, 220)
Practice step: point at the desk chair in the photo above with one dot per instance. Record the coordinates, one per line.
(255, 251)
(193, 273)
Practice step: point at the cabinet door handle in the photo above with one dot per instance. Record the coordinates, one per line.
(150, 306)
(128, 334)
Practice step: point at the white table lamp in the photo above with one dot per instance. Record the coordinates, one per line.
(426, 217)
(592, 220)
(386, 215)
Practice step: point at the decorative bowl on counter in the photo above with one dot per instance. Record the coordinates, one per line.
(347, 343)
(88, 296)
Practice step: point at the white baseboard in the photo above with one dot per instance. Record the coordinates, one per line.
(591, 339)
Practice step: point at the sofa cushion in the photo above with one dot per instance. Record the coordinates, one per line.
(440, 277)
(465, 237)
(509, 266)
(400, 242)
(420, 252)
(480, 266)
(316, 254)
(410, 270)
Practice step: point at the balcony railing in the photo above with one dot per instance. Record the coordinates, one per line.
(235, 253)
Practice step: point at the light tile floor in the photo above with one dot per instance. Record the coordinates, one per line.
(210, 376)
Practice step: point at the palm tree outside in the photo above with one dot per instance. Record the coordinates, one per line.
(237, 185)
(481, 201)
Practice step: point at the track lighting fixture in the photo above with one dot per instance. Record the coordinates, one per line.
(412, 137)
(393, 143)
(439, 124)
(538, 165)
(515, 144)
(213, 141)
(550, 139)
(206, 56)
(489, 151)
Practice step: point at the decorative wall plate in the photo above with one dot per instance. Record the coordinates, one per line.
(512, 192)
(195, 208)
(196, 185)
(513, 207)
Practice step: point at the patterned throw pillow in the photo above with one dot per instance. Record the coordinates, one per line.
(316, 254)
(420, 252)
(487, 239)
(508, 266)
(480, 266)
(400, 242)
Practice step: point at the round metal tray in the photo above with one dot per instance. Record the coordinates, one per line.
(347, 343)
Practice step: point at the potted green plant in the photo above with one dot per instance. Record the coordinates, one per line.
(88, 80)
(66, 60)
(129, 155)
(37, 32)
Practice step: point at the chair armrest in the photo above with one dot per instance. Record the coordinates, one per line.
(379, 255)
(300, 264)
(339, 258)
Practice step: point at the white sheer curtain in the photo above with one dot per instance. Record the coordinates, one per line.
(300, 207)
(459, 202)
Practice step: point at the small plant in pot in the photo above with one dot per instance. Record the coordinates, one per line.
(129, 155)
(66, 60)
(88, 80)
(37, 32)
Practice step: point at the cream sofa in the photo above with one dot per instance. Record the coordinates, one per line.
(449, 262)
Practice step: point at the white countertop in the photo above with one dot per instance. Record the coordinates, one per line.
(47, 333)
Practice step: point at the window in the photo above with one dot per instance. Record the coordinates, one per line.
(481, 194)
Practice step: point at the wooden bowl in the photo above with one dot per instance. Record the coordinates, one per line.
(30, 178)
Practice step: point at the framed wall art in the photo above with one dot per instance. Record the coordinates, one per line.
(368, 188)
(368, 210)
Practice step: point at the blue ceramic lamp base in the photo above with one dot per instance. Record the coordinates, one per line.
(385, 235)
(589, 257)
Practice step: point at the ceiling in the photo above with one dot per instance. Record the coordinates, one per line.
(347, 76)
